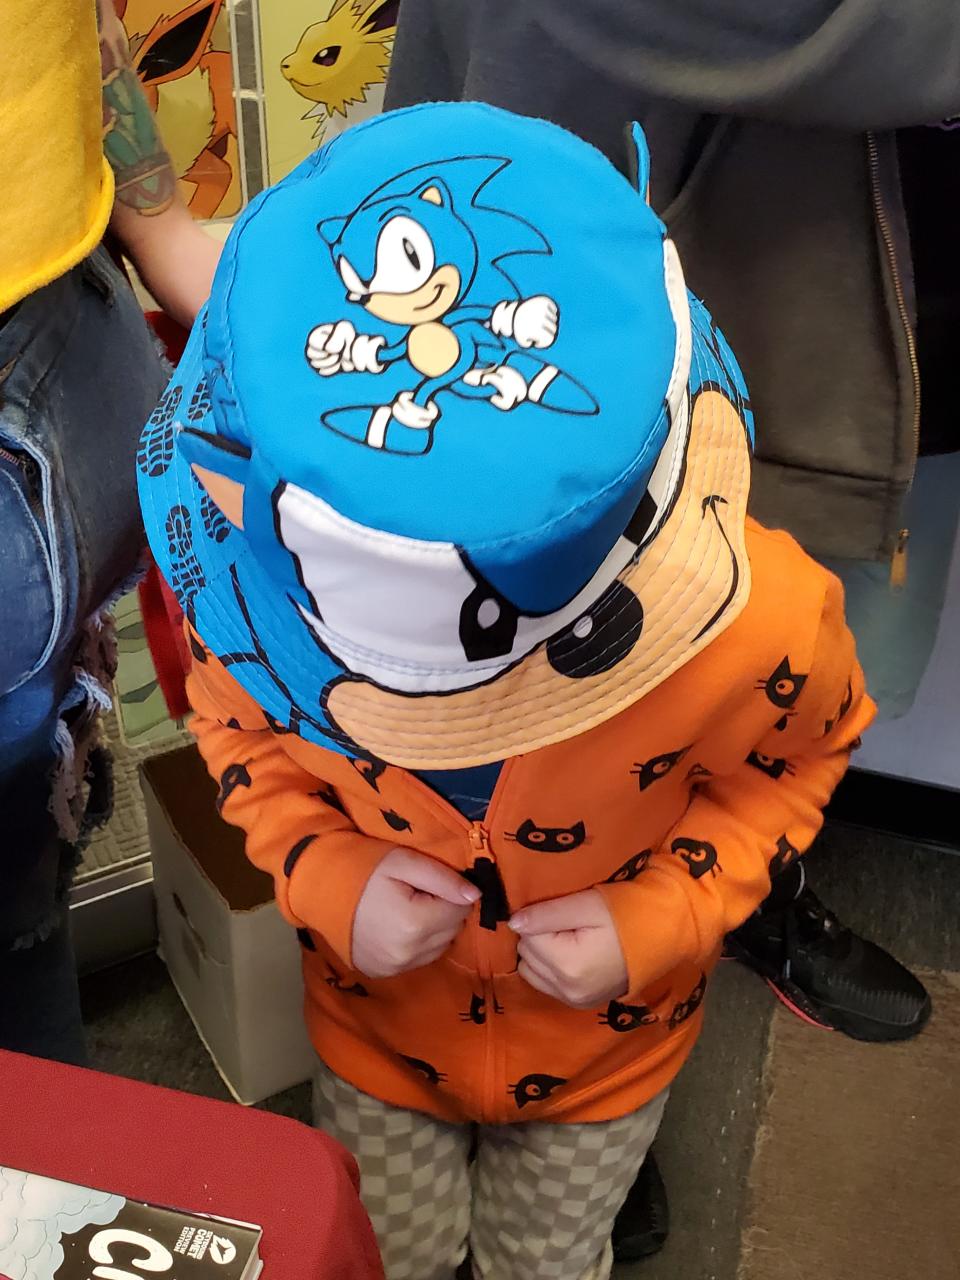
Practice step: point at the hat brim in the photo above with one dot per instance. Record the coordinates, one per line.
(686, 586)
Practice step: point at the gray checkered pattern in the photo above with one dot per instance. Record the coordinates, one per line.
(414, 1178)
(537, 1204)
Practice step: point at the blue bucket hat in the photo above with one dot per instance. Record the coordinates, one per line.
(453, 467)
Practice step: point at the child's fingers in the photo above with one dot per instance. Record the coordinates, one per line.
(539, 965)
(435, 918)
(547, 952)
(560, 915)
(533, 979)
(430, 876)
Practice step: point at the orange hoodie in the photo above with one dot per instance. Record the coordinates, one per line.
(677, 809)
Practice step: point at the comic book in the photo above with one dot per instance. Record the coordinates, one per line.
(51, 1230)
(324, 65)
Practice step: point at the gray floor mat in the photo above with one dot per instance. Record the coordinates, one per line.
(856, 1172)
(707, 1138)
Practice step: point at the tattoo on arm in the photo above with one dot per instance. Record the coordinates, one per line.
(145, 180)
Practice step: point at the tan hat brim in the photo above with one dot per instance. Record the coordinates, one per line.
(692, 582)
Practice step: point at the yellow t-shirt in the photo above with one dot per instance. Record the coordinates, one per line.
(57, 187)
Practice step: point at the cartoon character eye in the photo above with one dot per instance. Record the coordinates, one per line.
(537, 837)
(405, 257)
(328, 56)
(350, 277)
(661, 767)
(565, 838)
(784, 687)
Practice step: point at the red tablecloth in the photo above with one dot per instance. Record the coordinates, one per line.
(194, 1154)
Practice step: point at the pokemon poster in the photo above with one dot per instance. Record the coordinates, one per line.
(182, 53)
(324, 65)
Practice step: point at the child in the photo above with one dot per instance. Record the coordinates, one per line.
(508, 694)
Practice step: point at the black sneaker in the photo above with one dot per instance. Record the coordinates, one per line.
(828, 975)
(643, 1222)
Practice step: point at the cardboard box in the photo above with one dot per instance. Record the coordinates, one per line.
(232, 957)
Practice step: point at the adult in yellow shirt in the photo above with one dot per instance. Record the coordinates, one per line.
(79, 374)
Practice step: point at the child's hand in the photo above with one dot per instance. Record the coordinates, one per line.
(411, 910)
(569, 949)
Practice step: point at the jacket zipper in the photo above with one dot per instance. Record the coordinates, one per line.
(898, 565)
(478, 837)
(480, 844)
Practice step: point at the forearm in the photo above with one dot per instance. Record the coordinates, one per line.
(174, 257)
(144, 179)
(714, 868)
(296, 829)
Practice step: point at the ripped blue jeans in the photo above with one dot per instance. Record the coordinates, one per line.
(79, 375)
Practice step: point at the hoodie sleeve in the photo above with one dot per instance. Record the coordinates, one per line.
(714, 868)
(320, 863)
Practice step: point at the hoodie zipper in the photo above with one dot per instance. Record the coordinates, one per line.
(480, 843)
(478, 838)
(898, 564)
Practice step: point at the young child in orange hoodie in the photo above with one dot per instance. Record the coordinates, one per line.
(509, 695)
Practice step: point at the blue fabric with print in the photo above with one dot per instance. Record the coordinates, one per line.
(449, 326)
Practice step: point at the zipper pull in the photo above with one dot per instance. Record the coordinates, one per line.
(898, 565)
(479, 839)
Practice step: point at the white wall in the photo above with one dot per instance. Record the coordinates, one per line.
(925, 744)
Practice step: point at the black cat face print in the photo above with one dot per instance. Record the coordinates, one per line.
(685, 1010)
(536, 1087)
(699, 855)
(657, 767)
(631, 868)
(626, 1017)
(530, 835)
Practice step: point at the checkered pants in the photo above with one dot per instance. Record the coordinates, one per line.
(537, 1203)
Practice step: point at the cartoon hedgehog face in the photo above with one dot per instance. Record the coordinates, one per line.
(407, 261)
(536, 1087)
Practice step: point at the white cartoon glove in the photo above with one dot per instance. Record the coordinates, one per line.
(531, 322)
(338, 348)
(510, 387)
